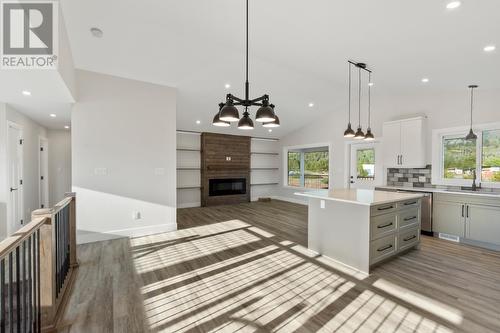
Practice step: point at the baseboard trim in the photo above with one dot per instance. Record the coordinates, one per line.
(85, 236)
(189, 205)
(292, 200)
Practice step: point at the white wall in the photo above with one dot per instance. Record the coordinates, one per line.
(59, 164)
(443, 110)
(3, 171)
(32, 132)
(124, 157)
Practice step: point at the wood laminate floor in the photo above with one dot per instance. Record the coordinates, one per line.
(245, 268)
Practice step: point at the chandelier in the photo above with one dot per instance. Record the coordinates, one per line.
(229, 113)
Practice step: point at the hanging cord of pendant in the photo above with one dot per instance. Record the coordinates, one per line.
(349, 103)
(369, 97)
(359, 97)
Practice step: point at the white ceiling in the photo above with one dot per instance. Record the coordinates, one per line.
(298, 49)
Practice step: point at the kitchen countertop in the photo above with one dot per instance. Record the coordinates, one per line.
(440, 190)
(361, 197)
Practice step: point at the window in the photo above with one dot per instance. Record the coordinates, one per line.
(459, 157)
(456, 160)
(365, 164)
(490, 168)
(308, 167)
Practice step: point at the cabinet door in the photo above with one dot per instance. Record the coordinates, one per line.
(483, 223)
(392, 143)
(448, 218)
(413, 143)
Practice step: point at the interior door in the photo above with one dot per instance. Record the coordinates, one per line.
(366, 167)
(15, 167)
(43, 173)
(392, 144)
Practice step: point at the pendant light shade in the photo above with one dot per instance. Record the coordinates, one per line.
(245, 122)
(229, 112)
(265, 113)
(471, 135)
(272, 124)
(349, 132)
(217, 122)
(369, 135)
(359, 134)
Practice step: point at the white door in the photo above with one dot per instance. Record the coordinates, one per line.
(44, 173)
(366, 169)
(392, 144)
(15, 167)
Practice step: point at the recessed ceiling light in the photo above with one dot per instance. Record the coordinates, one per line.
(53, 115)
(66, 127)
(269, 130)
(489, 48)
(311, 104)
(198, 122)
(96, 32)
(453, 4)
(425, 80)
(26, 93)
(227, 86)
(370, 84)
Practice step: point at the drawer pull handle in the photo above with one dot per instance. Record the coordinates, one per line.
(385, 208)
(384, 226)
(410, 203)
(410, 218)
(387, 247)
(410, 238)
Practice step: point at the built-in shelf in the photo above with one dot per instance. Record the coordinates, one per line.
(188, 168)
(262, 153)
(264, 169)
(187, 149)
(261, 184)
(189, 187)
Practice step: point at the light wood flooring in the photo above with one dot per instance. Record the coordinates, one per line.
(245, 268)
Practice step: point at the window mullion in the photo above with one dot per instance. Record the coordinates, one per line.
(302, 176)
(479, 156)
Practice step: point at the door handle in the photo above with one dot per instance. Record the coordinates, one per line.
(467, 210)
(13, 189)
(398, 159)
(462, 210)
(401, 159)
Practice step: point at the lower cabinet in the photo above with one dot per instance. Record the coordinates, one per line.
(449, 217)
(483, 223)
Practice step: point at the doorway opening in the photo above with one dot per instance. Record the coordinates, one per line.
(43, 159)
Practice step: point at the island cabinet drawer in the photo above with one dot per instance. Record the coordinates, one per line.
(414, 203)
(408, 217)
(408, 238)
(383, 209)
(382, 225)
(382, 248)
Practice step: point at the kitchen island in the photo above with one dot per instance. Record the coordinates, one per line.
(359, 228)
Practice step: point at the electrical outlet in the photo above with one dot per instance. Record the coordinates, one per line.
(136, 215)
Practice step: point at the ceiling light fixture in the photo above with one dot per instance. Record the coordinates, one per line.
(227, 86)
(198, 122)
(311, 104)
(66, 127)
(26, 93)
(453, 4)
(349, 132)
(471, 135)
(425, 80)
(369, 135)
(359, 132)
(217, 121)
(96, 32)
(370, 84)
(489, 48)
(275, 122)
(53, 115)
(269, 130)
(229, 112)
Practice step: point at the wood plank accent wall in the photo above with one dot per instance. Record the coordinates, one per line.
(215, 148)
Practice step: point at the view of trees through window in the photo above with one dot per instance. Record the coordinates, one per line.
(365, 163)
(459, 158)
(490, 169)
(315, 168)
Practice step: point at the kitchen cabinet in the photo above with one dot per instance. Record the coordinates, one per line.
(449, 218)
(483, 223)
(404, 143)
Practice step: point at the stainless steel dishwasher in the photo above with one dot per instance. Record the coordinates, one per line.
(426, 211)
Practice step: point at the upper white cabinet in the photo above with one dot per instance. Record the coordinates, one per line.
(404, 143)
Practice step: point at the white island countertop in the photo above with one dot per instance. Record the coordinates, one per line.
(361, 197)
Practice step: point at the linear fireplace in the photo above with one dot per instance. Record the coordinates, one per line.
(227, 186)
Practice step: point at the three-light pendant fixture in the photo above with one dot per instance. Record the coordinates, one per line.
(229, 113)
(349, 132)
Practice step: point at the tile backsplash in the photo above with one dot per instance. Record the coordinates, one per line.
(409, 177)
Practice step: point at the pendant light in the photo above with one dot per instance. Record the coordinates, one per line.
(274, 123)
(471, 135)
(217, 121)
(359, 133)
(229, 113)
(369, 135)
(245, 122)
(349, 133)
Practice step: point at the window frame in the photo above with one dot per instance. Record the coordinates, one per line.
(438, 155)
(303, 149)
